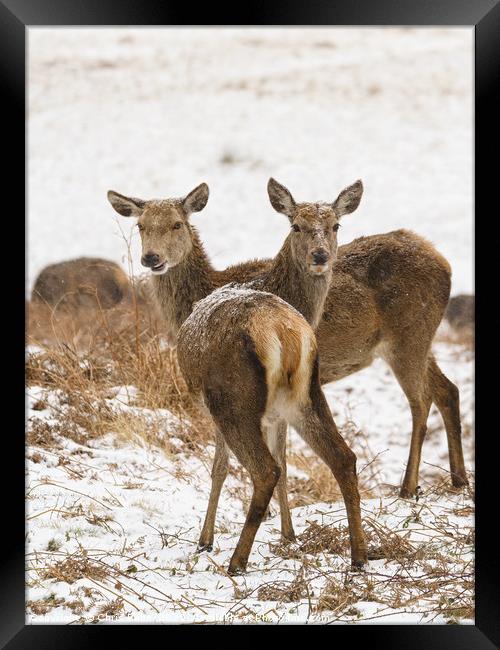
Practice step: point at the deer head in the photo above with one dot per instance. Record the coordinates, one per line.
(313, 240)
(163, 225)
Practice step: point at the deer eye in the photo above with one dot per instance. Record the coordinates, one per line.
(177, 225)
(336, 227)
(295, 228)
(140, 226)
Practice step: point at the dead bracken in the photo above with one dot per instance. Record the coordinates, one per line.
(315, 539)
(74, 568)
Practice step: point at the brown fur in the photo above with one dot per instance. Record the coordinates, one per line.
(254, 360)
(281, 334)
(82, 282)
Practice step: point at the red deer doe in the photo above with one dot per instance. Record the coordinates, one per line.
(253, 358)
(386, 299)
(82, 283)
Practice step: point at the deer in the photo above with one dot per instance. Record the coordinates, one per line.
(254, 361)
(386, 299)
(387, 295)
(171, 243)
(82, 283)
(460, 313)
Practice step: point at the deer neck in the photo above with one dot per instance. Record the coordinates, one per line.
(181, 286)
(306, 292)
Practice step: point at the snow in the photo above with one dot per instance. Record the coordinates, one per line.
(233, 293)
(152, 113)
(140, 511)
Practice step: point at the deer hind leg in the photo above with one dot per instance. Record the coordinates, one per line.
(445, 396)
(275, 436)
(219, 473)
(315, 425)
(247, 443)
(412, 377)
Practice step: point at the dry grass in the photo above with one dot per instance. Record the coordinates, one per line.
(313, 540)
(74, 568)
(82, 355)
(433, 577)
(44, 605)
(320, 484)
(283, 591)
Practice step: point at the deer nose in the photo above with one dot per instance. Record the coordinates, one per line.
(150, 259)
(320, 256)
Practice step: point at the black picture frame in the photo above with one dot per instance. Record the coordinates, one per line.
(15, 17)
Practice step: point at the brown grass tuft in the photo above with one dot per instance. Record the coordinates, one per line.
(74, 568)
(111, 609)
(283, 591)
(83, 354)
(315, 539)
(44, 605)
(386, 544)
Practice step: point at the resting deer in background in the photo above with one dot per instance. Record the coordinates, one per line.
(387, 297)
(83, 282)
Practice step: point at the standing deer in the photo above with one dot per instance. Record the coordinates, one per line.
(253, 358)
(386, 298)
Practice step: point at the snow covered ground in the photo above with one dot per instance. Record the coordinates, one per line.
(112, 522)
(113, 525)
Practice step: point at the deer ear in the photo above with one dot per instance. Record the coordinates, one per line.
(348, 200)
(127, 206)
(196, 200)
(281, 198)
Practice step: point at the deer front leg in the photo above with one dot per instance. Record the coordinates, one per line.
(219, 473)
(275, 436)
(445, 396)
(419, 411)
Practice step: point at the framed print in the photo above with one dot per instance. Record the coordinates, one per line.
(250, 320)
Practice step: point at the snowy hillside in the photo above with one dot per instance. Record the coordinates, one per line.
(152, 113)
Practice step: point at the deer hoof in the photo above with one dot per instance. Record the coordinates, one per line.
(236, 570)
(459, 481)
(358, 565)
(405, 493)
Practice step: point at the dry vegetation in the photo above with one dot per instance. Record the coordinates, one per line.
(84, 355)
(81, 359)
